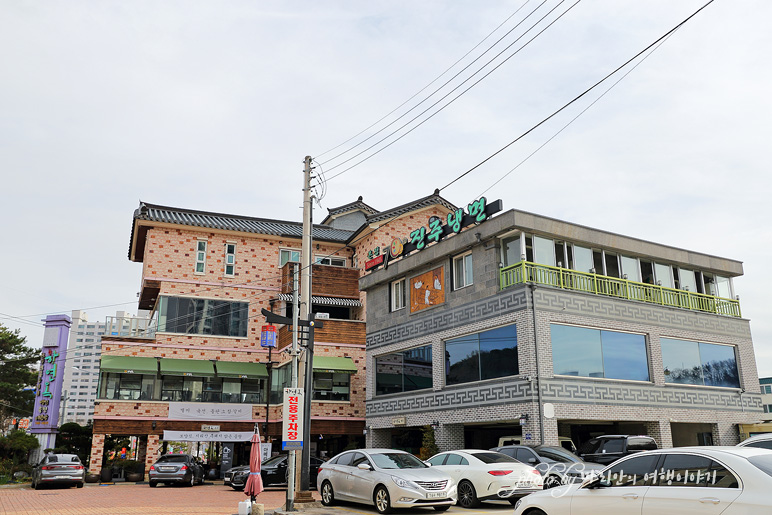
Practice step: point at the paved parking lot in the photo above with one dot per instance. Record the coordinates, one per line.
(207, 499)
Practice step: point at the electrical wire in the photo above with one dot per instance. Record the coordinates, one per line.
(555, 113)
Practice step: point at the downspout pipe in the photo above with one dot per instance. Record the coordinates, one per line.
(538, 364)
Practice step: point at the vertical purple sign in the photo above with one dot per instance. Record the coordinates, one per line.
(48, 391)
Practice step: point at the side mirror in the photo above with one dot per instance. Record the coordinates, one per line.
(531, 460)
(364, 466)
(594, 480)
(428, 463)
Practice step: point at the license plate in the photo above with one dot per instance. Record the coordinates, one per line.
(435, 495)
(63, 477)
(166, 469)
(525, 484)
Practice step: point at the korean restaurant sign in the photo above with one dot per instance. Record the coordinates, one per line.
(292, 429)
(476, 212)
(209, 411)
(48, 391)
(208, 436)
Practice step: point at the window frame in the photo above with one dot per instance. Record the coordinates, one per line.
(398, 300)
(468, 273)
(200, 256)
(289, 250)
(229, 260)
(331, 261)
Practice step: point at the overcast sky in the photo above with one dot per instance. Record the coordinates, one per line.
(213, 106)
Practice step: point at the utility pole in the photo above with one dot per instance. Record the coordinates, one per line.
(305, 311)
(292, 459)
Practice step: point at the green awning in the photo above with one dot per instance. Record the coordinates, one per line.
(334, 364)
(187, 367)
(128, 365)
(242, 370)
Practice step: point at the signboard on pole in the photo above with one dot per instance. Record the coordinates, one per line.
(268, 336)
(292, 429)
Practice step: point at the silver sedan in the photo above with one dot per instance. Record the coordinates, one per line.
(63, 469)
(386, 479)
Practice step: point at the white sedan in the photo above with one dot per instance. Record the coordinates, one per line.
(485, 475)
(685, 480)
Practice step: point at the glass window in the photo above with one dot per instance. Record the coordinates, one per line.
(211, 389)
(688, 280)
(191, 315)
(631, 269)
(330, 261)
(288, 256)
(612, 264)
(456, 459)
(684, 470)
(438, 460)
(329, 386)
(462, 271)
(543, 251)
(404, 371)
(587, 352)
(767, 389)
(637, 471)
(664, 275)
(398, 295)
(698, 363)
(479, 356)
(230, 259)
(510, 248)
(723, 287)
(200, 256)
(582, 259)
(251, 389)
(231, 390)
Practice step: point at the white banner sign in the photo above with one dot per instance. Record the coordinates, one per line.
(292, 429)
(208, 436)
(209, 411)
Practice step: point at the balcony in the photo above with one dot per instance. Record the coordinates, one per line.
(527, 272)
(326, 280)
(333, 331)
(130, 327)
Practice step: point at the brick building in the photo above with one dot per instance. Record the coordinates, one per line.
(523, 325)
(197, 372)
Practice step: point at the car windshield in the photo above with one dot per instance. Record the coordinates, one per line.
(494, 457)
(762, 462)
(274, 461)
(397, 460)
(178, 458)
(558, 454)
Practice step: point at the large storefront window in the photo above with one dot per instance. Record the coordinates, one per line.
(404, 371)
(698, 363)
(586, 352)
(190, 315)
(480, 356)
(128, 386)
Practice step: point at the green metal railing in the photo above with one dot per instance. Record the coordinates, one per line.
(566, 279)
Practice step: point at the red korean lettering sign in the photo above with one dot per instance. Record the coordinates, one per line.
(292, 429)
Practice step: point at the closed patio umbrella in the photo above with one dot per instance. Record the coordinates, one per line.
(254, 482)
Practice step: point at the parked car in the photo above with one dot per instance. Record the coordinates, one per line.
(62, 469)
(176, 468)
(557, 465)
(609, 448)
(762, 441)
(486, 475)
(709, 480)
(385, 478)
(564, 442)
(272, 471)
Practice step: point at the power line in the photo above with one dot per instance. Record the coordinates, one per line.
(661, 38)
(449, 93)
(432, 82)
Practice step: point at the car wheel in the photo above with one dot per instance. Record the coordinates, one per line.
(79, 485)
(467, 497)
(536, 512)
(552, 482)
(328, 495)
(382, 500)
(441, 508)
(153, 484)
(35, 485)
(192, 480)
(513, 500)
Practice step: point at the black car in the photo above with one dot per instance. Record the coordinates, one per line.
(557, 465)
(609, 448)
(272, 471)
(181, 469)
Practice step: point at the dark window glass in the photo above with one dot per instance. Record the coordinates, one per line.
(616, 445)
(493, 457)
(586, 352)
(203, 316)
(484, 355)
(637, 471)
(404, 371)
(438, 460)
(704, 364)
(454, 459)
(346, 458)
(523, 455)
(763, 463)
(687, 470)
(359, 458)
(761, 444)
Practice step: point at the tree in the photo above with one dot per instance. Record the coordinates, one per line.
(16, 373)
(428, 445)
(75, 439)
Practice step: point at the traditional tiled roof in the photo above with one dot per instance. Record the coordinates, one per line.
(193, 218)
(357, 205)
(430, 200)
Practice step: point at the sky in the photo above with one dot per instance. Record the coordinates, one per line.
(214, 105)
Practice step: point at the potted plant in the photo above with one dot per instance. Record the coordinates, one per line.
(133, 470)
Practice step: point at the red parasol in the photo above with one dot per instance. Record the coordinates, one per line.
(254, 483)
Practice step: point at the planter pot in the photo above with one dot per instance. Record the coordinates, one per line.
(106, 476)
(135, 476)
(92, 478)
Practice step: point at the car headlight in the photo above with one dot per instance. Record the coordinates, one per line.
(404, 483)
